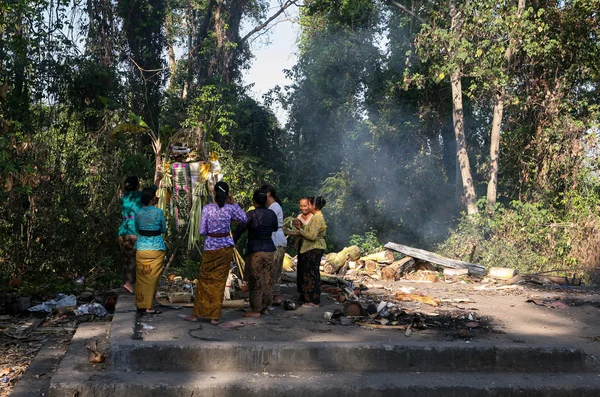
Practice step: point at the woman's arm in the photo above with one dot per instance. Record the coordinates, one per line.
(242, 227)
(238, 214)
(204, 221)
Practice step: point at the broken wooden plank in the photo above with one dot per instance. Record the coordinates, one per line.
(435, 258)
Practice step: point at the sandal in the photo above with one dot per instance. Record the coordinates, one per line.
(252, 314)
(310, 304)
(191, 318)
(152, 311)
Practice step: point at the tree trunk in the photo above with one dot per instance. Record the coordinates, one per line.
(495, 148)
(498, 111)
(171, 51)
(461, 146)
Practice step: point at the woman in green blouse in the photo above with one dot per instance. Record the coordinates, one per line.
(312, 249)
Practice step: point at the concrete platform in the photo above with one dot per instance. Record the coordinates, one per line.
(296, 353)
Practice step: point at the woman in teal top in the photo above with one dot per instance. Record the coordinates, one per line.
(130, 204)
(150, 248)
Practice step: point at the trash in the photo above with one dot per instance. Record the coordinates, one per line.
(352, 309)
(464, 333)
(91, 308)
(327, 315)
(289, 305)
(417, 298)
(61, 300)
(471, 317)
(147, 327)
(95, 356)
(80, 281)
(548, 303)
(504, 273)
(472, 324)
(408, 331)
(382, 304)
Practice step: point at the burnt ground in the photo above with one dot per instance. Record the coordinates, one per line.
(468, 312)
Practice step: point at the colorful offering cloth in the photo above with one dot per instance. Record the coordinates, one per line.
(182, 197)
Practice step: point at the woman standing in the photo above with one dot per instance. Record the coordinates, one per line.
(279, 240)
(311, 251)
(130, 204)
(217, 254)
(150, 224)
(262, 223)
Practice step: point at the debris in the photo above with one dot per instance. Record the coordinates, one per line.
(449, 272)
(548, 303)
(180, 297)
(147, 327)
(409, 331)
(505, 273)
(379, 326)
(394, 271)
(354, 309)
(94, 355)
(472, 324)
(335, 261)
(61, 300)
(464, 333)
(235, 303)
(91, 308)
(289, 264)
(417, 298)
(289, 305)
(437, 259)
(384, 257)
(327, 315)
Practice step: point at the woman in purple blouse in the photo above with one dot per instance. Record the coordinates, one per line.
(217, 255)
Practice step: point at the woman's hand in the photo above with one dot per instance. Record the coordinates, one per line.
(297, 223)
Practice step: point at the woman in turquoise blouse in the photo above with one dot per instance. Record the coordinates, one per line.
(150, 248)
(130, 204)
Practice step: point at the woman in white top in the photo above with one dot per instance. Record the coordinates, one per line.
(274, 204)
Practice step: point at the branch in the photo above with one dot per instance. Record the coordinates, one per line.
(268, 21)
(406, 10)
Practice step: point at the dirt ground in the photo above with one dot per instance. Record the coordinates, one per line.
(468, 312)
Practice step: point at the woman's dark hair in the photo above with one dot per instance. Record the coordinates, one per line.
(260, 197)
(307, 198)
(271, 190)
(319, 202)
(221, 193)
(132, 184)
(148, 194)
(311, 200)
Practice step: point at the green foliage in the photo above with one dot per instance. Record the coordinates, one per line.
(368, 243)
(529, 237)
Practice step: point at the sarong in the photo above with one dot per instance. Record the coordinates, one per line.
(276, 270)
(148, 269)
(127, 243)
(211, 283)
(309, 276)
(258, 269)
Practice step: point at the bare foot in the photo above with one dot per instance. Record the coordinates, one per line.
(215, 322)
(191, 318)
(310, 304)
(128, 288)
(265, 312)
(252, 314)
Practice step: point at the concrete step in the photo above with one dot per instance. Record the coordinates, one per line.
(343, 357)
(322, 384)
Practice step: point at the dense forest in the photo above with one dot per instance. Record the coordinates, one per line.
(467, 127)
